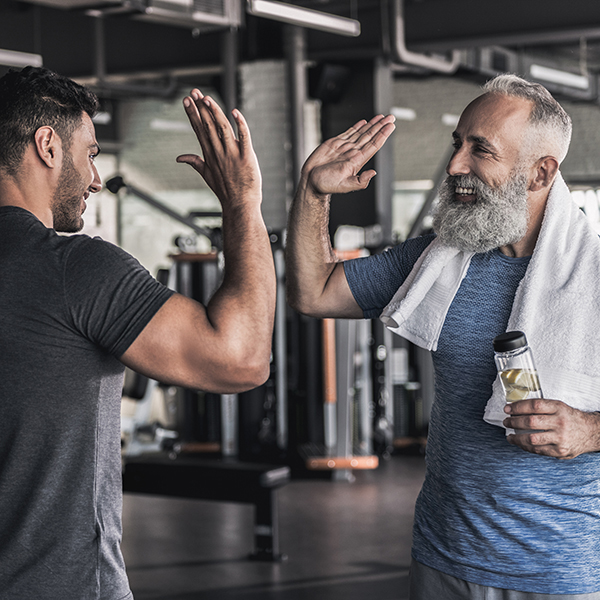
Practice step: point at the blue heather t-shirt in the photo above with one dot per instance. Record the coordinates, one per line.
(489, 512)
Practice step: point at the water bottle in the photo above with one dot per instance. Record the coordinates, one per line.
(515, 365)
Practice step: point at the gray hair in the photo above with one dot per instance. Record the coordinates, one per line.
(551, 125)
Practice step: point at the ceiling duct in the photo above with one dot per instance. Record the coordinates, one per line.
(405, 56)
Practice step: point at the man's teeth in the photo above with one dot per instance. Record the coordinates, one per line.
(465, 191)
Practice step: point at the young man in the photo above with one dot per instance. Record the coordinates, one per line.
(74, 310)
(498, 517)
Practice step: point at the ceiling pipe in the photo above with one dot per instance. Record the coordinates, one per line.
(405, 56)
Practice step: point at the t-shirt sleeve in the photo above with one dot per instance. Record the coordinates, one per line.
(110, 296)
(374, 280)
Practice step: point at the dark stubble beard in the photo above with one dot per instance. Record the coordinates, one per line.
(498, 217)
(66, 204)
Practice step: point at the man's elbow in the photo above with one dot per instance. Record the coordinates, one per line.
(252, 376)
(303, 304)
(243, 373)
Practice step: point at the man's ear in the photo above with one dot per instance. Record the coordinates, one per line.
(47, 145)
(546, 169)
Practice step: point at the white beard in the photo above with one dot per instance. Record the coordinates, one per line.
(498, 217)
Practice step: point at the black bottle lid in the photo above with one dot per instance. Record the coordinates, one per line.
(511, 340)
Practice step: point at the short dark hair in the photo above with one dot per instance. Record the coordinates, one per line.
(35, 97)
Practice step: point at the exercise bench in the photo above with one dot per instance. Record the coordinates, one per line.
(212, 479)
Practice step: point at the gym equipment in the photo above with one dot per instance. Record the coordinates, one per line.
(191, 477)
(138, 433)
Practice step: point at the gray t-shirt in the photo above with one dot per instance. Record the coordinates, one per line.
(69, 307)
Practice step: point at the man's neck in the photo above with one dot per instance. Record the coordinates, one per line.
(526, 245)
(16, 192)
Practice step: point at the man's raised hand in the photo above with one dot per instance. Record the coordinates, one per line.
(334, 167)
(228, 164)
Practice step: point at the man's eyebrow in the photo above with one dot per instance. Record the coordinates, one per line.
(95, 146)
(477, 139)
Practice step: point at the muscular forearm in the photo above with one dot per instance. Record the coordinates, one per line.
(310, 259)
(316, 282)
(242, 310)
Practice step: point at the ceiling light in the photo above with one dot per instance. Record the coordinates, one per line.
(561, 77)
(404, 114)
(166, 125)
(304, 17)
(102, 118)
(450, 120)
(12, 58)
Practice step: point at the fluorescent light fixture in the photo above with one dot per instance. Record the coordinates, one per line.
(165, 125)
(304, 17)
(404, 114)
(561, 77)
(102, 118)
(450, 120)
(411, 185)
(12, 58)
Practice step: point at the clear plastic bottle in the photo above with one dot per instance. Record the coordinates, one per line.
(515, 365)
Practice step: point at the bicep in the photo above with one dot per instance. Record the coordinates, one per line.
(180, 346)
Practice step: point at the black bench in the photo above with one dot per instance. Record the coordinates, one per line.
(211, 479)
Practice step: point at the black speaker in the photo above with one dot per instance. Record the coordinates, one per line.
(327, 82)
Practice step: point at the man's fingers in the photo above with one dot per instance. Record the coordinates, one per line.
(194, 161)
(243, 132)
(361, 151)
(200, 120)
(352, 131)
(356, 134)
(218, 126)
(376, 141)
(534, 406)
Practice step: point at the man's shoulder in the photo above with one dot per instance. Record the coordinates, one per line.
(412, 248)
(83, 248)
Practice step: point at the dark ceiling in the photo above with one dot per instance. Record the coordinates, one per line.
(567, 33)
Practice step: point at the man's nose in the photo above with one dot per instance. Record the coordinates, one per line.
(459, 163)
(96, 184)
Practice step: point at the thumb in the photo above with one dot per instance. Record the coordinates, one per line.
(365, 178)
(194, 161)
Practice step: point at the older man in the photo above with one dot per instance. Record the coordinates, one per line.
(498, 517)
(74, 310)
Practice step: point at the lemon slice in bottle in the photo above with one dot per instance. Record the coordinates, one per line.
(518, 383)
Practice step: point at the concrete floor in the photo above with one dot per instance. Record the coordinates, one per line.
(343, 541)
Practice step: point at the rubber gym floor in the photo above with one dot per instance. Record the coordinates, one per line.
(343, 541)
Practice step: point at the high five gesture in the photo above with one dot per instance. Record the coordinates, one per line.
(316, 284)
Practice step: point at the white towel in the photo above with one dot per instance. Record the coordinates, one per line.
(557, 304)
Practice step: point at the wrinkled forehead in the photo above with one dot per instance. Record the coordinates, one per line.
(499, 119)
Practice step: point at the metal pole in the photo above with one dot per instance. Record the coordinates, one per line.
(229, 62)
(100, 53)
(384, 159)
(295, 48)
